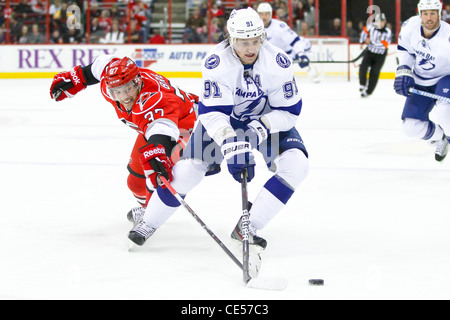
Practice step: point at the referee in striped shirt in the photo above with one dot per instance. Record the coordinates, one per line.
(377, 37)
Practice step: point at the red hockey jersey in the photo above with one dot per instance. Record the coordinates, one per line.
(157, 100)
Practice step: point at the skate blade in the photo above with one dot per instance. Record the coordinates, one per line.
(131, 245)
(268, 283)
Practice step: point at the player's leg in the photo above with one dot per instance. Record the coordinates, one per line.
(137, 183)
(285, 152)
(363, 74)
(417, 124)
(374, 74)
(187, 173)
(441, 115)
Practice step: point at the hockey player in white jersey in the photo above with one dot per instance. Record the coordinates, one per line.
(282, 36)
(423, 47)
(249, 101)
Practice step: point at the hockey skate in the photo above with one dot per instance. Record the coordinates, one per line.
(140, 233)
(135, 215)
(441, 149)
(254, 240)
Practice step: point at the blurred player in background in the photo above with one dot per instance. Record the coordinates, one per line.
(423, 53)
(377, 37)
(162, 114)
(249, 101)
(282, 36)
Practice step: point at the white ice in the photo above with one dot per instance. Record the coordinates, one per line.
(371, 219)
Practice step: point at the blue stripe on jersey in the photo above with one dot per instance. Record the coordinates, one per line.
(399, 47)
(280, 190)
(202, 109)
(423, 78)
(294, 109)
(297, 39)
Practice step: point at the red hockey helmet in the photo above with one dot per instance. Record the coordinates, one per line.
(120, 72)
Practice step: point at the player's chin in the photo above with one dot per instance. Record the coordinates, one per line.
(128, 104)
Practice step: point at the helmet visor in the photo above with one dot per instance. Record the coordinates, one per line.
(125, 91)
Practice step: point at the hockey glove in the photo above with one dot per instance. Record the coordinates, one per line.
(404, 80)
(67, 84)
(239, 157)
(304, 61)
(155, 162)
(257, 132)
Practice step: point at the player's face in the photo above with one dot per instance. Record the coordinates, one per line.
(248, 49)
(430, 19)
(266, 17)
(126, 94)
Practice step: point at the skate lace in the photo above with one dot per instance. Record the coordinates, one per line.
(137, 213)
(441, 146)
(143, 229)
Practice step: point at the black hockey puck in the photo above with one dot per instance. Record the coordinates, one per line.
(316, 282)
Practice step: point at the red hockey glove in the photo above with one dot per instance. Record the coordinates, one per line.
(155, 162)
(67, 84)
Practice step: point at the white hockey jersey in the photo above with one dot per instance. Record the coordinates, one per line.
(232, 92)
(282, 36)
(428, 58)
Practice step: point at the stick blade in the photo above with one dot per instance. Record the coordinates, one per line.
(268, 283)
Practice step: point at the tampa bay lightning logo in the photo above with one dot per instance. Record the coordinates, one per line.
(283, 61)
(426, 64)
(212, 62)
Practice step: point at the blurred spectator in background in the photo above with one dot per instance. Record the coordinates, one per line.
(95, 11)
(352, 33)
(134, 36)
(15, 28)
(56, 37)
(141, 12)
(36, 36)
(23, 36)
(23, 9)
(73, 36)
(116, 13)
(105, 20)
(310, 14)
(194, 27)
(446, 13)
(336, 28)
(96, 31)
(157, 38)
(299, 11)
(115, 36)
(39, 7)
(217, 30)
(217, 10)
(2, 35)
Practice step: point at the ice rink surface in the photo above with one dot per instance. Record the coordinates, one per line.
(371, 218)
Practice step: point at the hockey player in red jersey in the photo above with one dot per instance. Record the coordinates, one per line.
(162, 114)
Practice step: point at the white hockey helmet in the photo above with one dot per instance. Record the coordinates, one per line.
(264, 7)
(244, 24)
(429, 5)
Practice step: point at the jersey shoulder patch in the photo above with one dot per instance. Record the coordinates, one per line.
(212, 61)
(283, 60)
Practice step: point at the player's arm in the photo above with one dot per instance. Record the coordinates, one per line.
(214, 109)
(286, 104)
(68, 83)
(404, 77)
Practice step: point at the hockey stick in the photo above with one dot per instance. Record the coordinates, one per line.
(257, 283)
(331, 61)
(245, 221)
(429, 95)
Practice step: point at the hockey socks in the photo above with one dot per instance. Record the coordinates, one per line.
(162, 205)
(270, 200)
